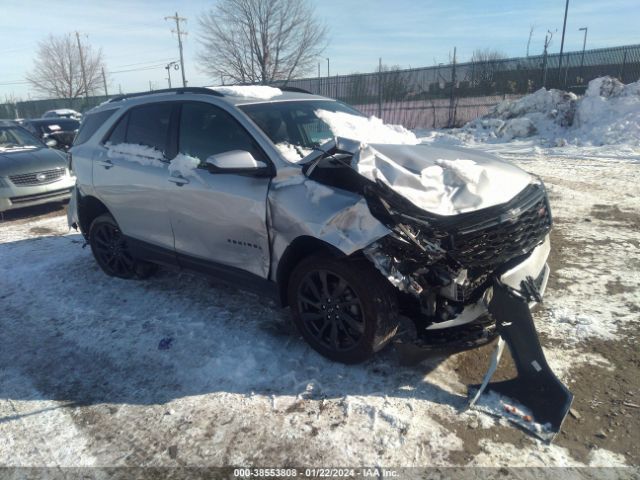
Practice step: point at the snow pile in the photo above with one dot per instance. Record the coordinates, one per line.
(259, 92)
(608, 114)
(366, 130)
(141, 154)
(293, 153)
(184, 165)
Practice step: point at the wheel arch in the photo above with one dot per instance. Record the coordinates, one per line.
(89, 208)
(297, 250)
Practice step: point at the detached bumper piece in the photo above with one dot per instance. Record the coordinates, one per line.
(536, 399)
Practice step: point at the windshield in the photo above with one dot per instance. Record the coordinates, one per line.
(16, 138)
(296, 128)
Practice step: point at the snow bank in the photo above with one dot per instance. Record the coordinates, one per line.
(366, 130)
(608, 114)
(259, 92)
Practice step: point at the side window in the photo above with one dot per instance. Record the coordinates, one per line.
(119, 133)
(90, 124)
(148, 125)
(207, 130)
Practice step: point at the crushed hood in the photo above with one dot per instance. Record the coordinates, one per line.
(442, 181)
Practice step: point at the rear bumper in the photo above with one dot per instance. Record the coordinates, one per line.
(13, 197)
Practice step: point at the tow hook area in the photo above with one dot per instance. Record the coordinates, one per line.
(536, 400)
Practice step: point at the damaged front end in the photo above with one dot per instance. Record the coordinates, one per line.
(443, 265)
(466, 278)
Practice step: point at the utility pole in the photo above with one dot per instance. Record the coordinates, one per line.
(179, 32)
(168, 67)
(584, 46)
(104, 81)
(84, 75)
(564, 27)
(328, 75)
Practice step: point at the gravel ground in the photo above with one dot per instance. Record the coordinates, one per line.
(175, 371)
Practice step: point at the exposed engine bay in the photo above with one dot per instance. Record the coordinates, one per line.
(443, 266)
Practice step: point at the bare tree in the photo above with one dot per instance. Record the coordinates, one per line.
(486, 62)
(58, 65)
(260, 41)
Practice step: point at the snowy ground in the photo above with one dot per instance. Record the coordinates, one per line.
(177, 371)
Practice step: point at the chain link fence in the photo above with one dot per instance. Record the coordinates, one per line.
(433, 97)
(451, 95)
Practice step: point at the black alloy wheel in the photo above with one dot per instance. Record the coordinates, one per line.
(330, 310)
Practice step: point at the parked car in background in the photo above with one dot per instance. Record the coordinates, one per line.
(30, 173)
(62, 113)
(54, 132)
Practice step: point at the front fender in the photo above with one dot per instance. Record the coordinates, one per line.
(299, 206)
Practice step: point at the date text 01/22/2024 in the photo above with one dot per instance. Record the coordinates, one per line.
(315, 472)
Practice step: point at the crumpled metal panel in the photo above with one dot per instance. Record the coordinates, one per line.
(299, 206)
(443, 181)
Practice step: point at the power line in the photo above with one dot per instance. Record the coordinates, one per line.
(177, 31)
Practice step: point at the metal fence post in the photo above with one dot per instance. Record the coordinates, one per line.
(624, 64)
(380, 88)
(452, 112)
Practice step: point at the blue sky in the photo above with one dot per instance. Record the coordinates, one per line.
(411, 33)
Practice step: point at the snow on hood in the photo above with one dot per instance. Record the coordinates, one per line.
(442, 181)
(260, 92)
(366, 130)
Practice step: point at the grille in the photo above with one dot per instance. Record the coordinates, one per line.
(40, 196)
(37, 178)
(520, 227)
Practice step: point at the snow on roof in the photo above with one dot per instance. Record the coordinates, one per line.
(64, 111)
(260, 92)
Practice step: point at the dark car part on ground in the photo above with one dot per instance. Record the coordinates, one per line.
(536, 386)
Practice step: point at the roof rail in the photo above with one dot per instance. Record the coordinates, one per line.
(295, 90)
(202, 90)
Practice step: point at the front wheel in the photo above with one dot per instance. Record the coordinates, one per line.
(343, 308)
(110, 249)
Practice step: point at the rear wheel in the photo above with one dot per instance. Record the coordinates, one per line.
(343, 308)
(110, 249)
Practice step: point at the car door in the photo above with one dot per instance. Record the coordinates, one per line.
(130, 173)
(218, 219)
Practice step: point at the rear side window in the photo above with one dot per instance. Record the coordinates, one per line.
(90, 124)
(148, 125)
(119, 133)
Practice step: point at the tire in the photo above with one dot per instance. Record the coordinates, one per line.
(110, 250)
(344, 308)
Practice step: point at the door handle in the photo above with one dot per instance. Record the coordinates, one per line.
(179, 180)
(105, 163)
